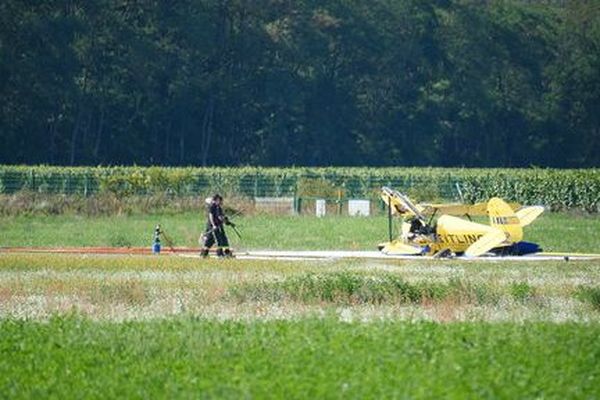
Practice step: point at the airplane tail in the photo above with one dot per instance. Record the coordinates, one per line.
(528, 214)
(508, 229)
(504, 218)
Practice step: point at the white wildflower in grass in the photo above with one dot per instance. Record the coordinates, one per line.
(130, 288)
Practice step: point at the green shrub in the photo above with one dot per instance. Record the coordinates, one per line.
(352, 288)
(521, 291)
(590, 295)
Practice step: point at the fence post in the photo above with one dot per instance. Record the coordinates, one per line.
(297, 201)
(32, 179)
(256, 184)
(68, 186)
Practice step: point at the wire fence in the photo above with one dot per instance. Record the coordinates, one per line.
(305, 186)
(557, 189)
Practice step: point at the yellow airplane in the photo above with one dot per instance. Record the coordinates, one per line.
(451, 235)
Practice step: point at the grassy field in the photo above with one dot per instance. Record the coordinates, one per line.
(121, 288)
(90, 326)
(309, 358)
(553, 231)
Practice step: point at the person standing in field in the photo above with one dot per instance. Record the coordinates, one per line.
(215, 228)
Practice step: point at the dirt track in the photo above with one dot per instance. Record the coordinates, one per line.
(290, 255)
(96, 250)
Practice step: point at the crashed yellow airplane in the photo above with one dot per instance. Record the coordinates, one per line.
(451, 235)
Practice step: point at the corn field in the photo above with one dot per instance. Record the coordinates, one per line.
(554, 188)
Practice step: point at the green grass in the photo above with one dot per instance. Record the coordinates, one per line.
(310, 358)
(590, 295)
(36, 286)
(553, 231)
(91, 326)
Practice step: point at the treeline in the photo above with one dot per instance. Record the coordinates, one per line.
(303, 82)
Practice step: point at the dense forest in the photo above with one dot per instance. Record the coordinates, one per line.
(300, 82)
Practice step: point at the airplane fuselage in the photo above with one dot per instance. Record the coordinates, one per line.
(451, 233)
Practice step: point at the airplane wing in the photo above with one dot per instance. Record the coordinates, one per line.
(457, 209)
(391, 201)
(527, 215)
(398, 248)
(400, 203)
(495, 238)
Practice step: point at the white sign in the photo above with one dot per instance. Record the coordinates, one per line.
(274, 205)
(359, 208)
(320, 208)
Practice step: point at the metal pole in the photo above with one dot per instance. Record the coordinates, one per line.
(256, 185)
(390, 218)
(460, 194)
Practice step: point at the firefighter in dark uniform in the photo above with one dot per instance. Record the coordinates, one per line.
(215, 229)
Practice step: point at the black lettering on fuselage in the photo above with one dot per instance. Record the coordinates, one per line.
(451, 238)
(505, 220)
(474, 237)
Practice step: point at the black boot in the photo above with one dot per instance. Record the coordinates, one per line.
(220, 253)
(228, 253)
(204, 253)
